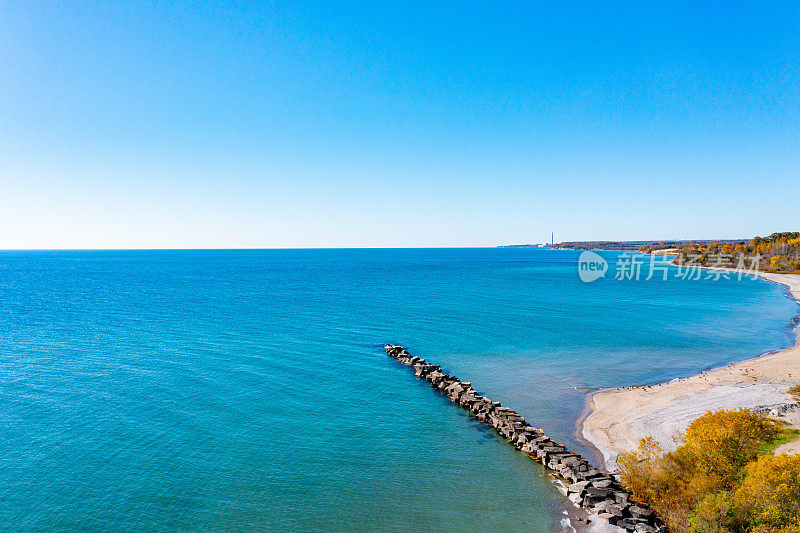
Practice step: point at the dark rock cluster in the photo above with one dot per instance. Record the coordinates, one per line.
(587, 486)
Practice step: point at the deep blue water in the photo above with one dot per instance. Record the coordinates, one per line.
(248, 390)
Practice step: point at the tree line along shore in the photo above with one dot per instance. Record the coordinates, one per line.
(777, 253)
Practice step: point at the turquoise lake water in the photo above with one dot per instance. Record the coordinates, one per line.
(248, 390)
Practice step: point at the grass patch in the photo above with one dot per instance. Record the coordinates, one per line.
(786, 435)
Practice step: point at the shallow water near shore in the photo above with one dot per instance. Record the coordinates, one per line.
(146, 390)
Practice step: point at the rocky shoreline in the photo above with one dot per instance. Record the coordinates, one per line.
(588, 487)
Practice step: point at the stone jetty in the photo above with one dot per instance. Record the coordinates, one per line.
(587, 487)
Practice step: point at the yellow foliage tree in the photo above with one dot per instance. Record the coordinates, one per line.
(770, 492)
(692, 487)
(722, 442)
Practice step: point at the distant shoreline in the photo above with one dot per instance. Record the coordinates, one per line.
(620, 246)
(614, 420)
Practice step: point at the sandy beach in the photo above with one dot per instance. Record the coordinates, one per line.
(618, 418)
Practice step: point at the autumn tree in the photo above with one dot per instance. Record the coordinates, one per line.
(693, 487)
(770, 492)
(722, 442)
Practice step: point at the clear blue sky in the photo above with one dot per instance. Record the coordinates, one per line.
(395, 124)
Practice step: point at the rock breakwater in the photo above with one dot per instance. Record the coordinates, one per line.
(587, 486)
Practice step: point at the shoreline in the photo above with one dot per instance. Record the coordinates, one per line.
(613, 420)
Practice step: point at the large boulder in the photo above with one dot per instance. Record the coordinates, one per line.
(640, 512)
(589, 473)
(595, 495)
(393, 349)
(576, 498)
(610, 507)
(529, 448)
(603, 482)
(435, 377)
(552, 459)
(546, 452)
(454, 389)
(621, 497)
(578, 487)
